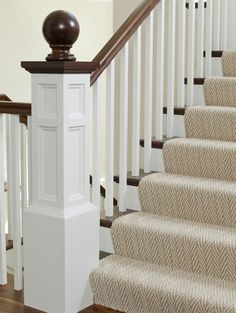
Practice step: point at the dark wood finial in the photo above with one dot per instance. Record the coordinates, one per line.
(61, 30)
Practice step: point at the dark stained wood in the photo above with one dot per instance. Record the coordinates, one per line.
(24, 120)
(17, 108)
(4, 98)
(98, 309)
(102, 190)
(196, 81)
(196, 5)
(61, 30)
(107, 221)
(9, 245)
(156, 144)
(60, 67)
(214, 54)
(132, 180)
(117, 42)
(177, 111)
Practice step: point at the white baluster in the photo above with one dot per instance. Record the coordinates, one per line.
(181, 54)
(171, 69)
(224, 25)
(148, 93)
(160, 68)
(96, 144)
(136, 102)
(23, 159)
(110, 139)
(3, 254)
(9, 171)
(191, 45)
(217, 24)
(208, 44)
(200, 37)
(15, 188)
(29, 155)
(124, 95)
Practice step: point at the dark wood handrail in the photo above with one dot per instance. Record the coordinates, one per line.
(4, 98)
(17, 108)
(117, 42)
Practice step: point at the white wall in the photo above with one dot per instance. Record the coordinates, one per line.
(22, 40)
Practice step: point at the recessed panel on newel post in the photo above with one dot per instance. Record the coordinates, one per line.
(61, 225)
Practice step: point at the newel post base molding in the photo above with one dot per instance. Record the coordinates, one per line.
(61, 225)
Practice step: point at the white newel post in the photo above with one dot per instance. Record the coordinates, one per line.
(61, 226)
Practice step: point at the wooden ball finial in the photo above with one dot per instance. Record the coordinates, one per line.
(61, 30)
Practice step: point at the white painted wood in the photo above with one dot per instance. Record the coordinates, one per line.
(9, 171)
(16, 205)
(148, 92)
(171, 68)
(208, 38)
(3, 254)
(191, 46)
(136, 102)
(96, 144)
(181, 53)
(217, 24)
(29, 156)
(160, 68)
(110, 106)
(61, 226)
(124, 97)
(224, 24)
(200, 38)
(23, 160)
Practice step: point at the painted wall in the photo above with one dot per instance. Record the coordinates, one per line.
(21, 36)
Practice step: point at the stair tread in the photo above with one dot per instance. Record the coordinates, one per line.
(156, 143)
(139, 287)
(155, 223)
(133, 180)
(106, 221)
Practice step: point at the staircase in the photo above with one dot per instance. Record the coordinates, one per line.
(161, 171)
(179, 254)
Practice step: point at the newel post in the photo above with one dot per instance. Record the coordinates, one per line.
(61, 225)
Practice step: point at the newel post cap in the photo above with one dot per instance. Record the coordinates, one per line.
(61, 30)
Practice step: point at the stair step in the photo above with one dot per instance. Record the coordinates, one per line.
(191, 198)
(194, 247)
(220, 91)
(107, 221)
(201, 158)
(210, 122)
(132, 180)
(156, 144)
(138, 287)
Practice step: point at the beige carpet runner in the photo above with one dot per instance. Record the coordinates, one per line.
(179, 254)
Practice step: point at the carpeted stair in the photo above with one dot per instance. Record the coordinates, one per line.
(179, 254)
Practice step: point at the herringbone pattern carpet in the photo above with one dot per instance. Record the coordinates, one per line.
(179, 254)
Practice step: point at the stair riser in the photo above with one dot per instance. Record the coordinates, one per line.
(196, 200)
(208, 159)
(184, 252)
(198, 98)
(135, 287)
(105, 240)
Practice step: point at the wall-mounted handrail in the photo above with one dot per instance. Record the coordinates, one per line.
(123, 34)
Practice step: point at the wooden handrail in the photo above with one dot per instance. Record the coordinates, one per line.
(117, 42)
(4, 98)
(17, 108)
